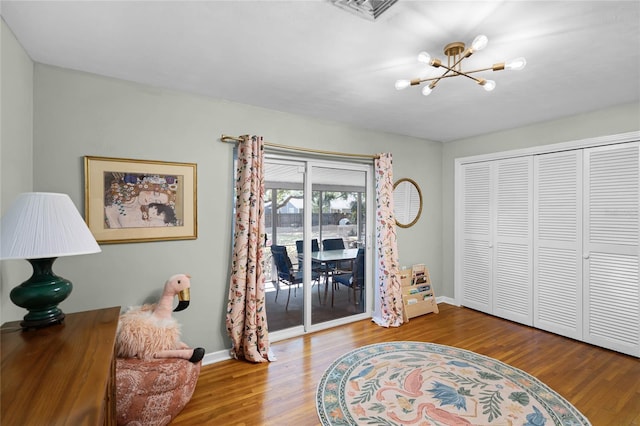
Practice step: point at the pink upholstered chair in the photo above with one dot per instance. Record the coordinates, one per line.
(152, 393)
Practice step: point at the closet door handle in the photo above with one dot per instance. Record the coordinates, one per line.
(585, 256)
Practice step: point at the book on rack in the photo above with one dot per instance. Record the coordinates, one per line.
(420, 274)
(420, 289)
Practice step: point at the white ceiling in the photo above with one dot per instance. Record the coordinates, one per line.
(315, 59)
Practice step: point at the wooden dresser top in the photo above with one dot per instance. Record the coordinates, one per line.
(58, 374)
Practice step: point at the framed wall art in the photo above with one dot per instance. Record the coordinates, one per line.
(140, 200)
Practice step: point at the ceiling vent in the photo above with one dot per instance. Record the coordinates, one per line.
(368, 9)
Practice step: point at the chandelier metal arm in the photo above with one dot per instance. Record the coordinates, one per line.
(445, 75)
(495, 67)
(455, 74)
(417, 81)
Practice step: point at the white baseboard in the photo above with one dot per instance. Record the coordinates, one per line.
(447, 300)
(218, 356)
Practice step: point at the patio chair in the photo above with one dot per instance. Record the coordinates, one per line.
(316, 267)
(354, 279)
(287, 274)
(300, 246)
(335, 244)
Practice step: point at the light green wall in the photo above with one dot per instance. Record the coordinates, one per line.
(78, 114)
(620, 119)
(51, 118)
(16, 150)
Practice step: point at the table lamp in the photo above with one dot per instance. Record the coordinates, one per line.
(40, 227)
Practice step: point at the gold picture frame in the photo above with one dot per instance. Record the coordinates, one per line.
(130, 201)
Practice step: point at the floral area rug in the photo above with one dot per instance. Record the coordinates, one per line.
(417, 383)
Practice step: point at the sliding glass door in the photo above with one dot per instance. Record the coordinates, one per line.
(284, 207)
(317, 214)
(338, 224)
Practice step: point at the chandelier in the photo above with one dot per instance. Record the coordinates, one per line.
(456, 53)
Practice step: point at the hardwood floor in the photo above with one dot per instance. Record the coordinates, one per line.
(604, 385)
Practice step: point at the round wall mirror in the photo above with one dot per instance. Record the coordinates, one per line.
(407, 200)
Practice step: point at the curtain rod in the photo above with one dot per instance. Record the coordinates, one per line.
(233, 139)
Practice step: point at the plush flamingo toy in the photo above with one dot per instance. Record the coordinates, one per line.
(149, 331)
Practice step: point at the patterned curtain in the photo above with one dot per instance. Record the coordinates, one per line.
(246, 316)
(388, 294)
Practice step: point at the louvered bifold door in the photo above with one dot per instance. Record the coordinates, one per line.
(475, 268)
(557, 243)
(611, 247)
(512, 251)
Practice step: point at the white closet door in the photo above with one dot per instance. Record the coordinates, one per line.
(557, 243)
(476, 256)
(611, 249)
(512, 281)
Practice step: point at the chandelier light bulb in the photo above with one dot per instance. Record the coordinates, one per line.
(426, 90)
(402, 84)
(479, 43)
(515, 64)
(424, 58)
(489, 85)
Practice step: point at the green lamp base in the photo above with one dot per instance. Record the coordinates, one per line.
(41, 294)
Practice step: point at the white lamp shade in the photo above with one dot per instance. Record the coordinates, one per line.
(43, 225)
